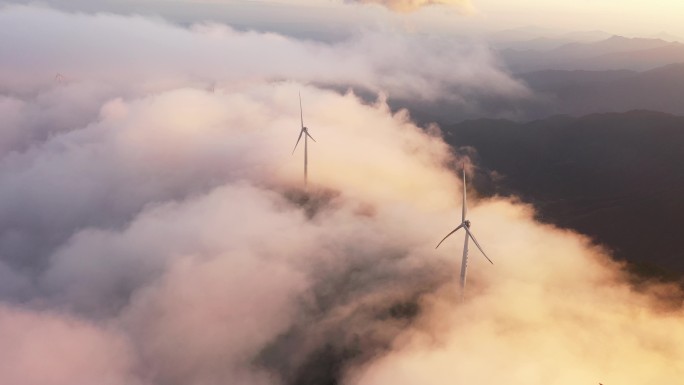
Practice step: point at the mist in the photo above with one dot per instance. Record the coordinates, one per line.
(154, 227)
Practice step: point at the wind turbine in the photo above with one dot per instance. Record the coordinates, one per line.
(304, 131)
(465, 224)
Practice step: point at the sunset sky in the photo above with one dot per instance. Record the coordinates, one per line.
(629, 17)
(623, 17)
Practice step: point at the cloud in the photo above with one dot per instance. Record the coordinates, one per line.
(162, 229)
(207, 143)
(240, 271)
(413, 5)
(53, 349)
(327, 21)
(562, 313)
(145, 207)
(135, 50)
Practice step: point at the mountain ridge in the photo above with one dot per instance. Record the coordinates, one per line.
(616, 52)
(615, 177)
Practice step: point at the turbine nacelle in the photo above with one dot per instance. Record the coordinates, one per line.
(304, 132)
(465, 225)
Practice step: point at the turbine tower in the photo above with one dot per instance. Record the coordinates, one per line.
(465, 224)
(304, 131)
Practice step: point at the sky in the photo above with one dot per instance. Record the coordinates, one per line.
(331, 18)
(155, 230)
(626, 17)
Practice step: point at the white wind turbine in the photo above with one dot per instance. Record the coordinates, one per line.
(465, 224)
(304, 131)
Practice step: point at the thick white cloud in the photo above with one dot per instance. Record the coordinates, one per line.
(52, 349)
(188, 188)
(235, 260)
(555, 311)
(153, 54)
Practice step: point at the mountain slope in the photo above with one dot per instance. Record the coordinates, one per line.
(585, 92)
(616, 52)
(615, 177)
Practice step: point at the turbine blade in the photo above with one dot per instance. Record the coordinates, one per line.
(464, 266)
(447, 236)
(309, 135)
(478, 245)
(465, 247)
(464, 208)
(301, 113)
(300, 137)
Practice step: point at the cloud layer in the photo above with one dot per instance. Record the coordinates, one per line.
(154, 228)
(153, 54)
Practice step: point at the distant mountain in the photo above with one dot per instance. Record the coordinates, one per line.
(616, 52)
(534, 38)
(587, 36)
(667, 37)
(615, 177)
(552, 80)
(521, 34)
(639, 60)
(611, 45)
(536, 44)
(560, 92)
(584, 92)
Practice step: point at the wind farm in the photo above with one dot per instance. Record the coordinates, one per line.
(157, 227)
